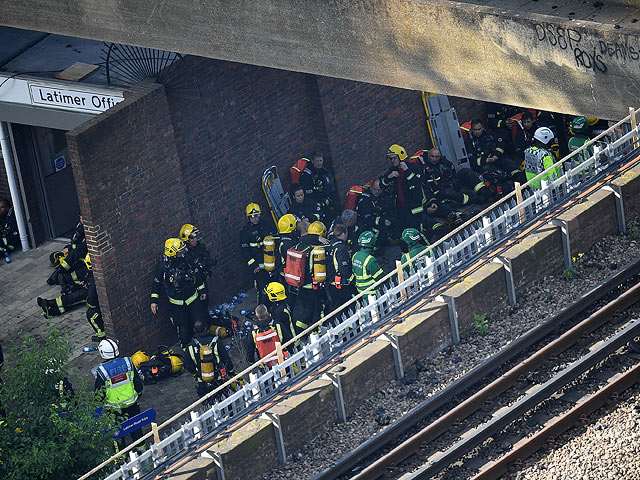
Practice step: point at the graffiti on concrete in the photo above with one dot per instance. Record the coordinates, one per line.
(590, 57)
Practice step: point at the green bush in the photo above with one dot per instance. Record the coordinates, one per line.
(44, 436)
(481, 323)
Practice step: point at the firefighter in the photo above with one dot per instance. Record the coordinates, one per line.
(9, 236)
(312, 294)
(207, 360)
(372, 213)
(417, 244)
(486, 152)
(288, 238)
(405, 181)
(251, 248)
(74, 289)
(365, 266)
(351, 220)
(461, 187)
(580, 130)
(341, 279)
(118, 382)
(537, 158)
(280, 310)
(524, 129)
(94, 315)
(317, 184)
(74, 252)
(303, 206)
(182, 281)
(190, 235)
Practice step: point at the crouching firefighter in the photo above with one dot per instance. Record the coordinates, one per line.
(208, 362)
(74, 291)
(183, 282)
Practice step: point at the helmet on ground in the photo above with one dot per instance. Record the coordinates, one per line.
(87, 261)
(411, 236)
(367, 239)
(287, 223)
(544, 135)
(108, 349)
(317, 228)
(580, 125)
(398, 150)
(275, 292)
(252, 209)
(187, 230)
(177, 364)
(172, 246)
(139, 357)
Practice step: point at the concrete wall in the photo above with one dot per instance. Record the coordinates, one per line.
(581, 59)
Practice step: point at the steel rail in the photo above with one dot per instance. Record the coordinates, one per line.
(473, 403)
(541, 393)
(558, 425)
(478, 373)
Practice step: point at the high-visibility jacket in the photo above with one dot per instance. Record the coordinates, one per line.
(537, 160)
(407, 258)
(575, 143)
(118, 375)
(265, 342)
(366, 269)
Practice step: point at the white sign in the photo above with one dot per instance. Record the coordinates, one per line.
(71, 99)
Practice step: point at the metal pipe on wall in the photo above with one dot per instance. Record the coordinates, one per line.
(13, 187)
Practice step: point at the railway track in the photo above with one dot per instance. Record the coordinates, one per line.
(505, 395)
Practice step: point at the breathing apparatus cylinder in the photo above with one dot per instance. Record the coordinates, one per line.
(206, 363)
(269, 251)
(319, 264)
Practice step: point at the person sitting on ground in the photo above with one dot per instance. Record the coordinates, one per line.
(74, 289)
(9, 236)
(303, 207)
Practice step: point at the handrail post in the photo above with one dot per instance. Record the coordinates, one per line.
(634, 124)
(403, 291)
(519, 200)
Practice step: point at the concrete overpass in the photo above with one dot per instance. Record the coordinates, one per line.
(568, 56)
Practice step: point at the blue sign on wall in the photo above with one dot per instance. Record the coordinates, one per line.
(60, 163)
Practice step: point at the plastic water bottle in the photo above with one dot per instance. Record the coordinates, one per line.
(237, 299)
(228, 346)
(242, 295)
(7, 258)
(89, 349)
(232, 307)
(246, 313)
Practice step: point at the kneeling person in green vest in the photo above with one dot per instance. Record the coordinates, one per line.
(364, 264)
(537, 158)
(208, 361)
(417, 244)
(118, 380)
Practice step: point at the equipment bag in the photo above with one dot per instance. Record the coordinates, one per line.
(353, 194)
(297, 169)
(163, 364)
(266, 345)
(295, 268)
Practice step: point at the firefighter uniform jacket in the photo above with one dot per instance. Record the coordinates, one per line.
(307, 242)
(281, 315)
(317, 184)
(9, 236)
(479, 148)
(371, 213)
(77, 249)
(251, 243)
(407, 187)
(353, 232)
(180, 278)
(340, 262)
(202, 257)
(366, 270)
(308, 209)
(439, 176)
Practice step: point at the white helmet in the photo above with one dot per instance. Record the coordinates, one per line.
(544, 135)
(108, 349)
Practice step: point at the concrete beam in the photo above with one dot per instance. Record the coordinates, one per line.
(573, 58)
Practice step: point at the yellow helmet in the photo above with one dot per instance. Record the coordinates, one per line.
(87, 261)
(187, 230)
(592, 120)
(172, 246)
(396, 149)
(252, 209)
(139, 357)
(275, 292)
(317, 228)
(287, 223)
(177, 365)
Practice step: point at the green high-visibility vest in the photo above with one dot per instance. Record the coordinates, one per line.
(366, 269)
(411, 254)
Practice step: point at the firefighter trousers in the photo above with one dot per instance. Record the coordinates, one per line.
(183, 318)
(313, 307)
(94, 317)
(64, 302)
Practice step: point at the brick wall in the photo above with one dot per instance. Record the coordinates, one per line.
(128, 176)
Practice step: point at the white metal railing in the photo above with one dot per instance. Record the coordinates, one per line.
(445, 257)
